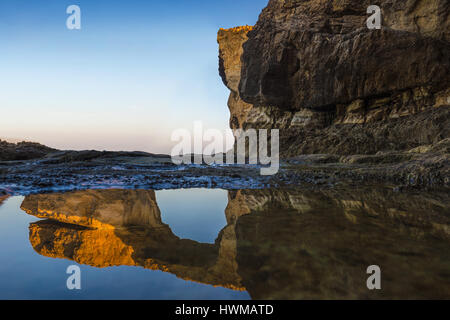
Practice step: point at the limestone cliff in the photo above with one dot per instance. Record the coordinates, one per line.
(230, 52)
(315, 71)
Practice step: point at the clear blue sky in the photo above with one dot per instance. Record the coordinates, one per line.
(135, 71)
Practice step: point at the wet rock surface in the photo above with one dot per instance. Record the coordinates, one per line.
(426, 167)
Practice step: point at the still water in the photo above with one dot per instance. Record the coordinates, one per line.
(218, 244)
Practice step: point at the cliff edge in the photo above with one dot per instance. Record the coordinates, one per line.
(314, 70)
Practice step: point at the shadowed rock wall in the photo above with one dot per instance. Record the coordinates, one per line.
(315, 71)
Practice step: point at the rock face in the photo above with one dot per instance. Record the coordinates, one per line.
(230, 52)
(315, 71)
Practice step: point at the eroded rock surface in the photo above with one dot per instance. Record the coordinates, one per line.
(315, 71)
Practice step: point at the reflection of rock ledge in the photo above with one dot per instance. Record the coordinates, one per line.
(317, 244)
(3, 198)
(96, 248)
(278, 244)
(100, 209)
(104, 228)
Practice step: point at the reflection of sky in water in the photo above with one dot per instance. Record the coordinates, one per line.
(194, 214)
(280, 244)
(24, 274)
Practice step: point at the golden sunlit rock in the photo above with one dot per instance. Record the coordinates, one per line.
(99, 209)
(3, 198)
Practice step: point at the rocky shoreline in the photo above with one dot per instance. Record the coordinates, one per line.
(71, 170)
(354, 106)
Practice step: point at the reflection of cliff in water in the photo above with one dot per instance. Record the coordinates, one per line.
(292, 244)
(104, 228)
(2, 198)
